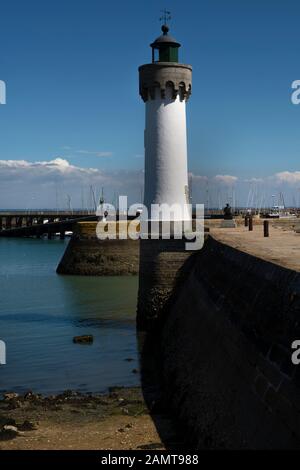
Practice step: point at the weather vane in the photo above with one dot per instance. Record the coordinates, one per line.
(166, 16)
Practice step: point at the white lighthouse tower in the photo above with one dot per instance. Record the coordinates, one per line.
(165, 86)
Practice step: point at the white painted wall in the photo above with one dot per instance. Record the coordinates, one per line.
(166, 174)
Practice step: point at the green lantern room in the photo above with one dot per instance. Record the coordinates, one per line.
(165, 47)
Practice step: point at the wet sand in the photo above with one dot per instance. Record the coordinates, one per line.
(117, 420)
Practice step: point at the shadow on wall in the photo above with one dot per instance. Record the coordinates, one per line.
(168, 426)
(220, 358)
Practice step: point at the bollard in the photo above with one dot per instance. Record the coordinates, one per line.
(246, 221)
(250, 224)
(266, 228)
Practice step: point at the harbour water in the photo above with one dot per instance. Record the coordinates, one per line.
(41, 312)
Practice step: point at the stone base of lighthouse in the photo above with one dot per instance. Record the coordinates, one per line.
(163, 268)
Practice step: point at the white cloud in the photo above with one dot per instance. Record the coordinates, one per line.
(40, 168)
(226, 179)
(254, 180)
(94, 153)
(290, 177)
(198, 177)
(21, 179)
(13, 163)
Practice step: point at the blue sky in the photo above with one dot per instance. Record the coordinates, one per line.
(72, 95)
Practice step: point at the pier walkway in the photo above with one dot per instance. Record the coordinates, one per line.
(38, 227)
(281, 247)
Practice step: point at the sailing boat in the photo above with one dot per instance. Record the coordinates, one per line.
(278, 210)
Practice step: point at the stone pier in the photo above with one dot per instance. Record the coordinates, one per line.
(87, 255)
(163, 267)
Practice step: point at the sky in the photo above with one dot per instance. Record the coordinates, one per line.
(73, 117)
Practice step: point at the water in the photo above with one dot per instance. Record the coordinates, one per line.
(41, 312)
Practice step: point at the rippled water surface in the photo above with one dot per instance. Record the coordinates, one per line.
(41, 312)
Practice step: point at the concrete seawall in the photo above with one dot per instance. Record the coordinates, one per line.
(226, 351)
(160, 268)
(86, 255)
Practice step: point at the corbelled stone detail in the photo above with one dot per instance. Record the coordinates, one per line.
(165, 74)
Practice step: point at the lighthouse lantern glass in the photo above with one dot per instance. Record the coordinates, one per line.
(168, 54)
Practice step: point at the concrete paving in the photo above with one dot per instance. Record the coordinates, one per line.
(282, 247)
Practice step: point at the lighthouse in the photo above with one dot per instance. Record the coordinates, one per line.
(165, 86)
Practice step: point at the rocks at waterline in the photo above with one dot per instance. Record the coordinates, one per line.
(83, 339)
